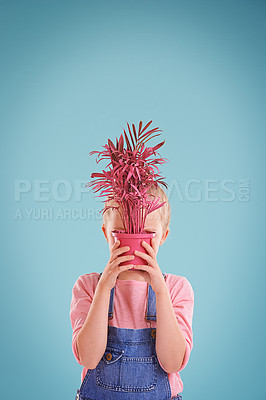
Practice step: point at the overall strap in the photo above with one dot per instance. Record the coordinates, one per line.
(111, 302)
(151, 303)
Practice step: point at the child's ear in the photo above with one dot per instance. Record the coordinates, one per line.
(165, 234)
(104, 231)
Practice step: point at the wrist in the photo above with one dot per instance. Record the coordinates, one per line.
(102, 288)
(163, 290)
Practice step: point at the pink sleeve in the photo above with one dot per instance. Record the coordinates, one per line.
(182, 296)
(183, 304)
(82, 297)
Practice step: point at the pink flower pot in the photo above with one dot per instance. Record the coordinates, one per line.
(133, 240)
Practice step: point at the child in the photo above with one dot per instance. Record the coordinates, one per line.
(132, 329)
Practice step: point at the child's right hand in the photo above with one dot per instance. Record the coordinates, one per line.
(113, 269)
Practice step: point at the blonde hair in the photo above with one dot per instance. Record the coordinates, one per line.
(164, 211)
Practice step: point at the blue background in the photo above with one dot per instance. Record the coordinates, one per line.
(72, 74)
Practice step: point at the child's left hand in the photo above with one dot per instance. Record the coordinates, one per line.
(154, 274)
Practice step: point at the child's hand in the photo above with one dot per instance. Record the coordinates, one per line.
(154, 274)
(113, 269)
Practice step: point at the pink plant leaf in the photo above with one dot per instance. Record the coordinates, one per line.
(128, 143)
(129, 175)
(134, 131)
(111, 145)
(131, 136)
(146, 126)
(144, 135)
(140, 125)
(137, 170)
(125, 167)
(157, 207)
(158, 146)
(136, 189)
(121, 143)
(93, 152)
(146, 140)
(95, 174)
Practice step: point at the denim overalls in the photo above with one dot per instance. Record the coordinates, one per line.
(129, 368)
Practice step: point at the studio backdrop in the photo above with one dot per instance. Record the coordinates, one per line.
(73, 73)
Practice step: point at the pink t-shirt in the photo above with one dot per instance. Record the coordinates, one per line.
(131, 295)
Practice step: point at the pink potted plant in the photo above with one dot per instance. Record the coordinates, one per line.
(131, 173)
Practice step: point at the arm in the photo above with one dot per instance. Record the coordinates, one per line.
(172, 347)
(92, 337)
(170, 341)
